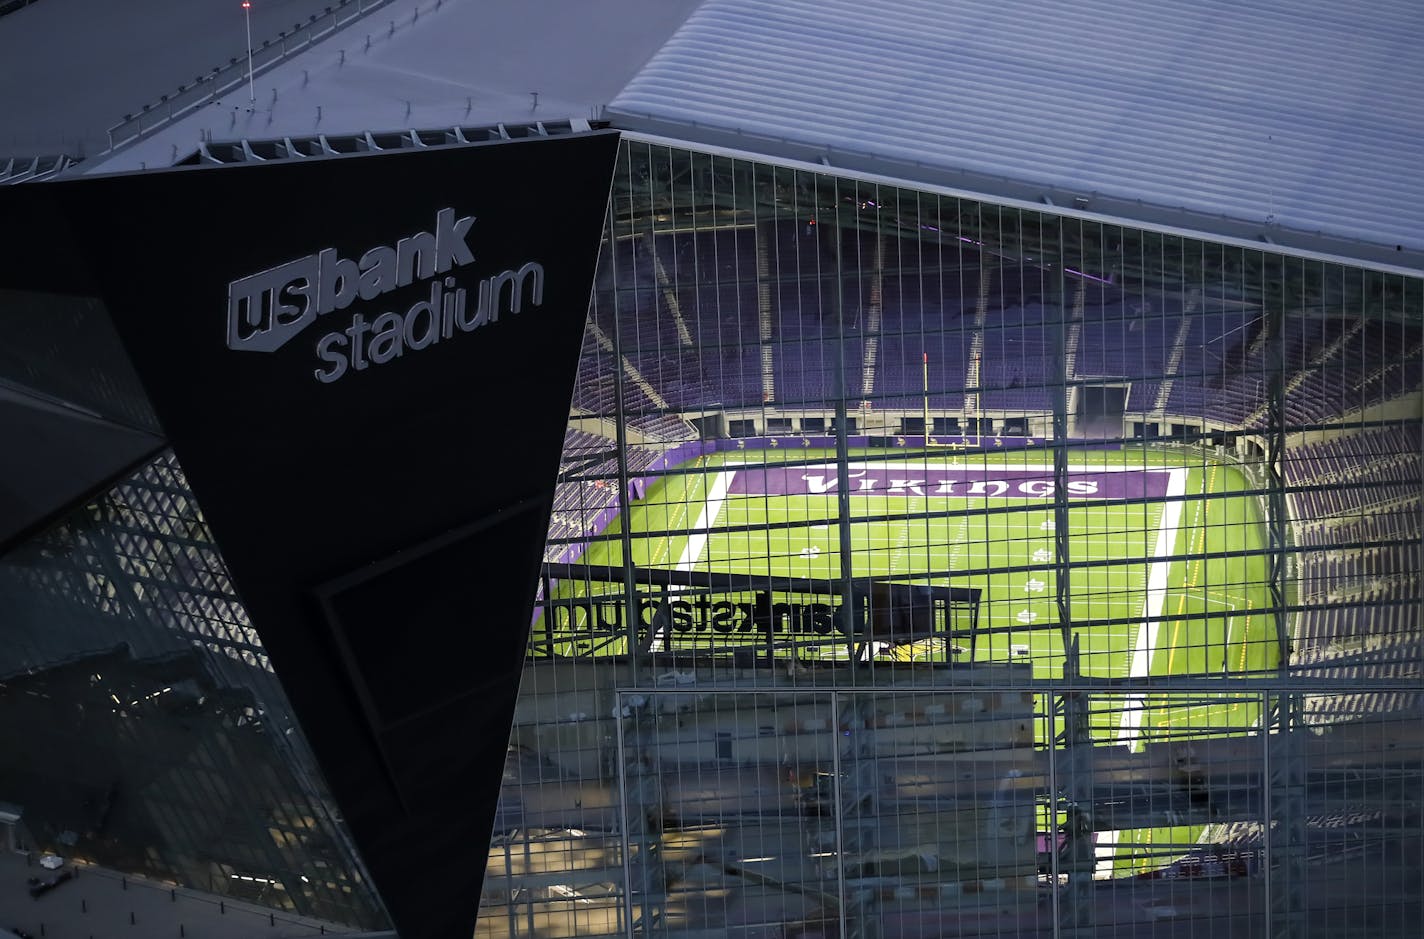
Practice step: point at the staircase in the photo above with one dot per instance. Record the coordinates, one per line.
(1179, 350)
(976, 344)
(1302, 375)
(872, 320)
(629, 369)
(763, 288)
(669, 296)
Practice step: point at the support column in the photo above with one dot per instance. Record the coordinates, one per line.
(636, 655)
(641, 810)
(1073, 797)
(1061, 559)
(1278, 520)
(857, 808)
(1285, 818)
(1284, 774)
(849, 621)
(1074, 794)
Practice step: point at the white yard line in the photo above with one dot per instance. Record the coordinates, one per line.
(1157, 575)
(1135, 705)
(1106, 848)
(697, 541)
(711, 508)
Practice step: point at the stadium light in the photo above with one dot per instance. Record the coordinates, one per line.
(247, 15)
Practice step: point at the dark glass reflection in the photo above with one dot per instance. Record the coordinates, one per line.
(144, 730)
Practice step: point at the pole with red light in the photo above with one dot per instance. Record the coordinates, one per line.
(247, 15)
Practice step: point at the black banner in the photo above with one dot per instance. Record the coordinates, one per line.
(365, 366)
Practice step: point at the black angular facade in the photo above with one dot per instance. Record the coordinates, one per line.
(361, 521)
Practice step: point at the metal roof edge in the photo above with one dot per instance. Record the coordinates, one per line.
(194, 161)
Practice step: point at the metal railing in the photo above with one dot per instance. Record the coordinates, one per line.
(31, 168)
(223, 79)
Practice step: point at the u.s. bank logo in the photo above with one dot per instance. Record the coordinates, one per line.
(268, 309)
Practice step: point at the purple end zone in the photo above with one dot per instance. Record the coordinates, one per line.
(967, 482)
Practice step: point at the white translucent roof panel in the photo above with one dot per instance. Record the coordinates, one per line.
(1306, 114)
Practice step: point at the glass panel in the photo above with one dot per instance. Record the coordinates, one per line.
(1069, 660)
(136, 696)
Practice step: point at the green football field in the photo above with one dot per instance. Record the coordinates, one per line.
(1142, 598)
(1136, 615)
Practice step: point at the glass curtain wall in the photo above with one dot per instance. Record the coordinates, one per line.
(923, 566)
(144, 731)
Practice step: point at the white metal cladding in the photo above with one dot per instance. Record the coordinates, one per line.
(1308, 114)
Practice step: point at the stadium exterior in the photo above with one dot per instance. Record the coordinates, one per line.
(915, 562)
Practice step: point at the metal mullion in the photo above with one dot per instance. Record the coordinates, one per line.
(843, 511)
(1062, 566)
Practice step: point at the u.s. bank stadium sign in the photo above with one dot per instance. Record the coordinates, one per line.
(760, 614)
(712, 605)
(267, 309)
